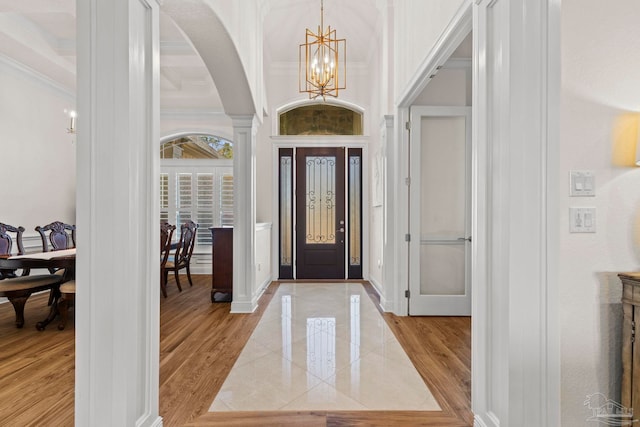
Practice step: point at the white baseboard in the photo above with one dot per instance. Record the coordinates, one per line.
(492, 421)
(243, 307)
(149, 421)
(377, 287)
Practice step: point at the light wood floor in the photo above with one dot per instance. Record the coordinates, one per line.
(199, 343)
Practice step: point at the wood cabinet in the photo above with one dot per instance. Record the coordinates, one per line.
(222, 267)
(630, 393)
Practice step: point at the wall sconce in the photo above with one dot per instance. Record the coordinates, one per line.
(72, 125)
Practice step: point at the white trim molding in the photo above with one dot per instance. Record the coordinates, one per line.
(181, 133)
(390, 286)
(36, 76)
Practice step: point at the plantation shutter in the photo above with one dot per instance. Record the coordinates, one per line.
(226, 200)
(204, 210)
(202, 194)
(184, 198)
(164, 197)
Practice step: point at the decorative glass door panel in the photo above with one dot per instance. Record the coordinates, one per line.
(286, 213)
(354, 200)
(320, 195)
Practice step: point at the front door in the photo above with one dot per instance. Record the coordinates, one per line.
(320, 213)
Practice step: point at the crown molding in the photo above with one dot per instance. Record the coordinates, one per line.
(11, 64)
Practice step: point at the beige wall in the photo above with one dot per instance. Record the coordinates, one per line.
(599, 123)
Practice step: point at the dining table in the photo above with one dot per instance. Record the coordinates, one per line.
(64, 259)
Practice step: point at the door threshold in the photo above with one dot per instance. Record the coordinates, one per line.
(363, 281)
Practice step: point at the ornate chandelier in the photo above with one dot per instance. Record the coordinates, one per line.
(322, 62)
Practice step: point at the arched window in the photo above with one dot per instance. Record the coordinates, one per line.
(321, 119)
(196, 183)
(197, 147)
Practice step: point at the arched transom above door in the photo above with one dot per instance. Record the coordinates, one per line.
(320, 119)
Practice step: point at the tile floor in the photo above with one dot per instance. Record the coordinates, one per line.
(323, 347)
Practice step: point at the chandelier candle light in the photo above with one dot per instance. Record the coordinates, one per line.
(323, 57)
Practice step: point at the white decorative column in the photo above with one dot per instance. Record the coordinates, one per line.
(117, 306)
(515, 335)
(390, 285)
(244, 225)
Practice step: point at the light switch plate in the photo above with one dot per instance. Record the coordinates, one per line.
(582, 183)
(582, 220)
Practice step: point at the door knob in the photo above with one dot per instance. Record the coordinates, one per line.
(341, 229)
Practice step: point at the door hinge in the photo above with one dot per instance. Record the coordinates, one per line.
(407, 125)
(407, 181)
(633, 331)
(407, 293)
(407, 237)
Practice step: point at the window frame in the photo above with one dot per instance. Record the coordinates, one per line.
(172, 167)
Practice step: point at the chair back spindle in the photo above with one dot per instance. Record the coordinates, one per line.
(166, 234)
(187, 242)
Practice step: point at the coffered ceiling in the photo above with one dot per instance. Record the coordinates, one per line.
(40, 35)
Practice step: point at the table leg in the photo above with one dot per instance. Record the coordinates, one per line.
(63, 308)
(53, 312)
(18, 305)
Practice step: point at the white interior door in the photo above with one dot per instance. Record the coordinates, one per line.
(440, 202)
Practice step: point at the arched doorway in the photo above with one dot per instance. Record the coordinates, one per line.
(117, 372)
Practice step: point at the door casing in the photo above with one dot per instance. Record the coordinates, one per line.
(342, 141)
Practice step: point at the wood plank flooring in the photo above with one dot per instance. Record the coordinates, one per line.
(36, 368)
(199, 343)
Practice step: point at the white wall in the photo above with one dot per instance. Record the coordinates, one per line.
(599, 123)
(243, 21)
(38, 156)
(376, 212)
(263, 257)
(418, 25)
(450, 87)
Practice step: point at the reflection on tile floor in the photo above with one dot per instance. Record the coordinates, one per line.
(323, 347)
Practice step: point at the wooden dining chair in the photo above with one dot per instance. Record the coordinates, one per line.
(166, 234)
(184, 250)
(67, 299)
(57, 236)
(7, 246)
(18, 289)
